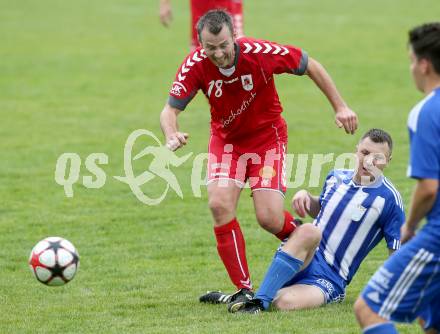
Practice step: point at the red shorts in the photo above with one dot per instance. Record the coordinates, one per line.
(263, 165)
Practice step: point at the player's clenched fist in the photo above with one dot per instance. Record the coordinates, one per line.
(301, 203)
(176, 140)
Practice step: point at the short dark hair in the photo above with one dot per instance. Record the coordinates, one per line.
(425, 42)
(379, 136)
(214, 20)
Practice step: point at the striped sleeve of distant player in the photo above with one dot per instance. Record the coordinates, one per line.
(186, 82)
(393, 216)
(277, 58)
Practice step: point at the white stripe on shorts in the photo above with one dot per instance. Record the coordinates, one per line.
(409, 275)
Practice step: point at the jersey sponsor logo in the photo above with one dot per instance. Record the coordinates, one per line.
(177, 88)
(190, 62)
(246, 81)
(265, 48)
(233, 115)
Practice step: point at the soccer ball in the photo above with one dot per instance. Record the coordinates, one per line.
(54, 261)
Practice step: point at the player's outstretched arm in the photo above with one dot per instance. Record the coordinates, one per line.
(344, 117)
(165, 12)
(168, 123)
(305, 203)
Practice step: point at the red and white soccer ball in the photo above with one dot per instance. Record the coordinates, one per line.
(54, 261)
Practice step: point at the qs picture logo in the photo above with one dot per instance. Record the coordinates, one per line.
(299, 170)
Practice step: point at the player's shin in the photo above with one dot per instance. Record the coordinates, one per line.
(232, 250)
(283, 269)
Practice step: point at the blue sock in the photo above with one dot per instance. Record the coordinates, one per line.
(383, 328)
(282, 269)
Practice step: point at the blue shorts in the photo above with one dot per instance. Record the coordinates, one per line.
(408, 283)
(319, 273)
(431, 315)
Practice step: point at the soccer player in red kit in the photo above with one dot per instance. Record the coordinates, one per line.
(248, 135)
(200, 7)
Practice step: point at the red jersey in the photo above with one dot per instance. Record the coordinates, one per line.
(200, 7)
(245, 101)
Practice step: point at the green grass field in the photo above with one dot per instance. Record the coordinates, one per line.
(80, 77)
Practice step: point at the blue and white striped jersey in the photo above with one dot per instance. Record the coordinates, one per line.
(353, 219)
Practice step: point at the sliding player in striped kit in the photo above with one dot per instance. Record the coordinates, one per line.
(248, 135)
(408, 284)
(356, 209)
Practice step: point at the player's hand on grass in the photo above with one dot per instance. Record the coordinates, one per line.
(301, 203)
(176, 140)
(346, 118)
(406, 233)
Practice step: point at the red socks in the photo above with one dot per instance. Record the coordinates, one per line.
(288, 228)
(232, 250)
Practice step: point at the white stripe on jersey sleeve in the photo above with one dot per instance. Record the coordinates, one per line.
(361, 234)
(342, 225)
(396, 194)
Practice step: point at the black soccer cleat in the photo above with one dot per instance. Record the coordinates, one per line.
(253, 306)
(215, 297)
(238, 299)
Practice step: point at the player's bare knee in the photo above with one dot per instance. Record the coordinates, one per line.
(309, 235)
(303, 241)
(269, 220)
(220, 208)
(283, 302)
